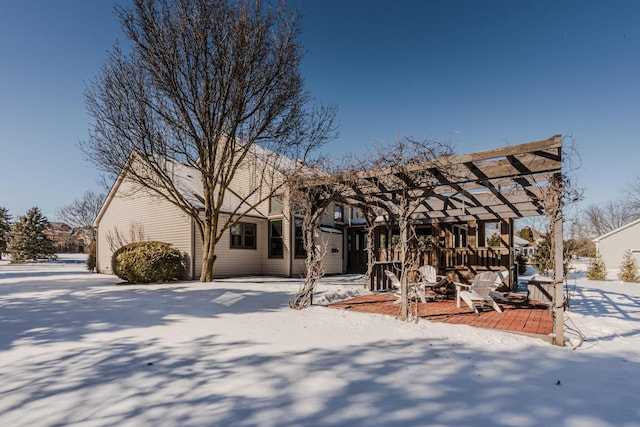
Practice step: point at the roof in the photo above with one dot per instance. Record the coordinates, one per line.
(519, 241)
(186, 180)
(617, 230)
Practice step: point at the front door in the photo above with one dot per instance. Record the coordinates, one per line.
(356, 251)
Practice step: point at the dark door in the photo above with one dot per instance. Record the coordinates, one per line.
(356, 251)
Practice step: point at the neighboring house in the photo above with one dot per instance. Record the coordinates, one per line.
(523, 246)
(266, 241)
(611, 246)
(67, 239)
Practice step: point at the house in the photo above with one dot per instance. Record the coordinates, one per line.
(461, 219)
(612, 246)
(465, 221)
(267, 240)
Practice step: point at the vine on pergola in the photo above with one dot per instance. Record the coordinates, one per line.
(391, 185)
(423, 182)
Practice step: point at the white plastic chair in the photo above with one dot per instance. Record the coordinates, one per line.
(483, 287)
(411, 290)
(428, 279)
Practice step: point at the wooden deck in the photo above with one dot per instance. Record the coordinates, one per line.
(519, 315)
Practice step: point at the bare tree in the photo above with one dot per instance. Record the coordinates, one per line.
(116, 239)
(211, 84)
(597, 220)
(82, 212)
(633, 193)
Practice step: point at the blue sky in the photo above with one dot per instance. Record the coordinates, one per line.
(483, 74)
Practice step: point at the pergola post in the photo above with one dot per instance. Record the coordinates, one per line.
(558, 267)
(404, 278)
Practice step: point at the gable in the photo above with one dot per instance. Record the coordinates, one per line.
(632, 229)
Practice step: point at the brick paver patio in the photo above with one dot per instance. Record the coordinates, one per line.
(519, 315)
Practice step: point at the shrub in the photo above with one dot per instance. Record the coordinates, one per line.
(145, 262)
(629, 268)
(597, 270)
(91, 259)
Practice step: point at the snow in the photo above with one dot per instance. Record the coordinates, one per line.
(81, 349)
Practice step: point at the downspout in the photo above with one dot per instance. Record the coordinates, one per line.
(193, 249)
(291, 241)
(97, 251)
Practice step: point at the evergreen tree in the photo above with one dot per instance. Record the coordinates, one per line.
(541, 258)
(629, 268)
(494, 241)
(527, 234)
(27, 238)
(5, 227)
(597, 270)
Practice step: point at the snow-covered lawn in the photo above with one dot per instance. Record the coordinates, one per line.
(78, 349)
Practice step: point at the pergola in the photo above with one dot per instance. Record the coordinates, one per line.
(502, 184)
(509, 182)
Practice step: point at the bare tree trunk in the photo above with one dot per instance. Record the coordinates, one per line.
(208, 237)
(208, 259)
(371, 255)
(314, 269)
(403, 223)
(370, 218)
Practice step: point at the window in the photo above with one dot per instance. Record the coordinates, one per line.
(338, 213)
(275, 204)
(243, 235)
(492, 234)
(299, 251)
(276, 249)
(459, 236)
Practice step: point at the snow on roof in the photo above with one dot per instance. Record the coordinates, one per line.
(331, 230)
(519, 241)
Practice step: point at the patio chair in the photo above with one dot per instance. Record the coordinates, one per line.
(411, 289)
(480, 290)
(501, 277)
(438, 286)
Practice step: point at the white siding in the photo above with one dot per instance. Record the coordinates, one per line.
(233, 261)
(243, 185)
(162, 221)
(155, 217)
(333, 259)
(332, 262)
(613, 246)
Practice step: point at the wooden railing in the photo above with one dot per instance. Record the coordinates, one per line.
(445, 260)
(481, 257)
(459, 257)
(378, 280)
